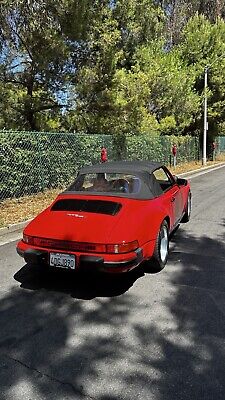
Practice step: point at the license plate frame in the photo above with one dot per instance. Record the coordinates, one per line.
(62, 260)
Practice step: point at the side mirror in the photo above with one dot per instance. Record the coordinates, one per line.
(181, 181)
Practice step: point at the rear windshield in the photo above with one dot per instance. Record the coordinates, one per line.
(106, 182)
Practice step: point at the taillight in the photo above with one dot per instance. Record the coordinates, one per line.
(81, 246)
(69, 245)
(28, 239)
(122, 247)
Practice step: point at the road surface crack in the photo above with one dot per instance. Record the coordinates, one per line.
(76, 390)
(217, 305)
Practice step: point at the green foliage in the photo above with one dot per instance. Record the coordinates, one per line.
(139, 22)
(204, 45)
(171, 98)
(34, 59)
(112, 67)
(158, 148)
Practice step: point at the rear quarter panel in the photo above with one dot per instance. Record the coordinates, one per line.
(140, 220)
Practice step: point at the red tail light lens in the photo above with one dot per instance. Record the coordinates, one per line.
(81, 246)
(28, 239)
(122, 247)
(69, 245)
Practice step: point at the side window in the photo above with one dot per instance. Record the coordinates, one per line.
(163, 179)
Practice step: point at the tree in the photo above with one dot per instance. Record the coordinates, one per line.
(118, 28)
(203, 44)
(172, 98)
(34, 57)
(178, 13)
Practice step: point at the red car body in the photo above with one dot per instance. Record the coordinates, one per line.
(111, 230)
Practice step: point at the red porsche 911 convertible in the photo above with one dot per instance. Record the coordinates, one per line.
(114, 216)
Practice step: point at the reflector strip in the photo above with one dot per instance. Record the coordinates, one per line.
(69, 245)
(82, 247)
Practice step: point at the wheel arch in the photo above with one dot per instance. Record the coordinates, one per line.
(167, 219)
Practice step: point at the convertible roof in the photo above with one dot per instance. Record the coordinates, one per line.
(122, 166)
(149, 189)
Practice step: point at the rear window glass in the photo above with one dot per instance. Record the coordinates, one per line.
(91, 206)
(106, 182)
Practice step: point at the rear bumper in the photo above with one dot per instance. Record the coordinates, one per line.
(84, 262)
(117, 266)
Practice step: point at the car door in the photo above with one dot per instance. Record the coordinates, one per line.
(171, 197)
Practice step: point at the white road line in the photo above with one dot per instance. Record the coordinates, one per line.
(195, 175)
(10, 238)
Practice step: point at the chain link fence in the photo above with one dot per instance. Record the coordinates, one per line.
(221, 144)
(31, 162)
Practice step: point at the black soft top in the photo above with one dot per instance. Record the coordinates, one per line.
(131, 167)
(149, 189)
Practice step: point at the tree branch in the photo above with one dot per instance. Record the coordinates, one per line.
(24, 44)
(21, 63)
(13, 81)
(49, 107)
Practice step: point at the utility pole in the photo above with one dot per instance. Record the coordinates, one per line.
(204, 144)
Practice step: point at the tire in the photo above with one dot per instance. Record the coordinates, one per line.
(187, 214)
(161, 251)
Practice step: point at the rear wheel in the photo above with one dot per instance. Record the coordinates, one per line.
(160, 255)
(187, 214)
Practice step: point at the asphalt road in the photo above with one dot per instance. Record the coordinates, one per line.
(144, 336)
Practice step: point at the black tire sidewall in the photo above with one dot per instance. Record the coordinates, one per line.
(157, 260)
(187, 214)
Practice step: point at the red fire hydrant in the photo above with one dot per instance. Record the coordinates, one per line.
(174, 152)
(104, 156)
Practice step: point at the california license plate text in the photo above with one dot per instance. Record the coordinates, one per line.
(62, 260)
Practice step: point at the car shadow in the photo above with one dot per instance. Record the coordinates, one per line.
(84, 286)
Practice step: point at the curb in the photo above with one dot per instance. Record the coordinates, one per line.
(195, 171)
(14, 227)
(21, 225)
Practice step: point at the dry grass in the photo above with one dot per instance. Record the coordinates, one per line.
(191, 166)
(17, 210)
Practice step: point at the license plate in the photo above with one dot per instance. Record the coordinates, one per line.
(62, 260)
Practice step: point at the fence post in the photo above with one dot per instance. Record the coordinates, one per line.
(41, 180)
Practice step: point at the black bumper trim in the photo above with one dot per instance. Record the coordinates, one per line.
(126, 264)
(99, 261)
(32, 256)
(91, 260)
(20, 252)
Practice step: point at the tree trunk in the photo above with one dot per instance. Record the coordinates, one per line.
(29, 110)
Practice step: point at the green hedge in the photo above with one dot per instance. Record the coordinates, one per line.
(158, 148)
(34, 161)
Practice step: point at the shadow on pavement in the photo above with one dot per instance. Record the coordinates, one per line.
(84, 286)
(120, 344)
